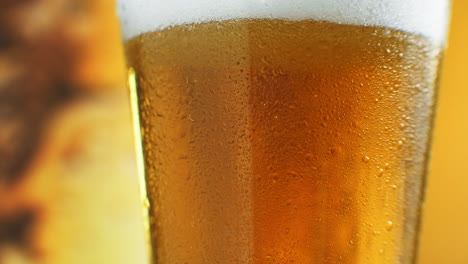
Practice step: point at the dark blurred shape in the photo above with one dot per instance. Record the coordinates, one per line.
(65, 133)
(35, 70)
(16, 229)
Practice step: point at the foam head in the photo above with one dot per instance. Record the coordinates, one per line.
(426, 17)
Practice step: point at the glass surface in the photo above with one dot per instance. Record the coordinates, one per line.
(284, 131)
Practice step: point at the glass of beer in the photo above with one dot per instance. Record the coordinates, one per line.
(284, 131)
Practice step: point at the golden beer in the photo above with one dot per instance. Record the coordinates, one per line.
(276, 141)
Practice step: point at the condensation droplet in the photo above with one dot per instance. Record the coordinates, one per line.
(365, 159)
(380, 172)
(389, 225)
(309, 156)
(146, 203)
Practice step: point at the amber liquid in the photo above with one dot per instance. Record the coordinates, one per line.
(271, 141)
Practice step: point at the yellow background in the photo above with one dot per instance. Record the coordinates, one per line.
(445, 224)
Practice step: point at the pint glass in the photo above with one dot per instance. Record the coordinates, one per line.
(284, 131)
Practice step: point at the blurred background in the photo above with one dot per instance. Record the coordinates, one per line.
(68, 188)
(444, 229)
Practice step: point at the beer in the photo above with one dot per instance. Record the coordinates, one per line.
(284, 141)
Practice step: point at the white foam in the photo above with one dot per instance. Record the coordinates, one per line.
(426, 17)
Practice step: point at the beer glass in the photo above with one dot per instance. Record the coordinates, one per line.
(284, 131)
